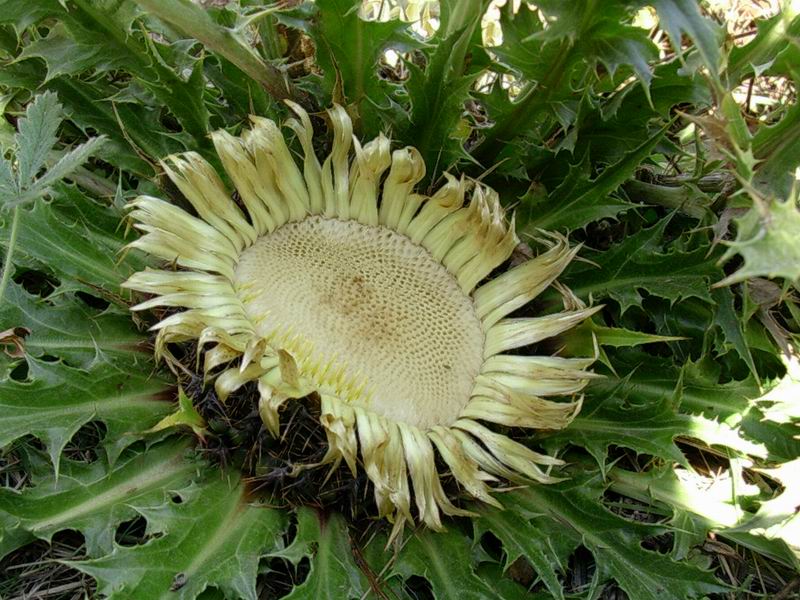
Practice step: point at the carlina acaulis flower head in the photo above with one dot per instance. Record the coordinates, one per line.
(339, 279)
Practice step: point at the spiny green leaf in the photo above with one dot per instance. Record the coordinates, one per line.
(185, 415)
(86, 237)
(776, 147)
(437, 93)
(37, 136)
(94, 498)
(65, 327)
(628, 113)
(579, 340)
(714, 502)
(112, 29)
(578, 200)
(688, 532)
(546, 66)
(732, 327)
(639, 263)
(769, 244)
(444, 559)
(579, 31)
(240, 93)
(780, 405)
(520, 51)
(214, 537)
(786, 63)
(615, 542)
(348, 49)
(57, 400)
(620, 412)
(650, 383)
(33, 144)
(773, 37)
(66, 54)
(601, 34)
(523, 534)
(192, 20)
(704, 392)
(137, 137)
(778, 518)
(8, 183)
(621, 45)
(24, 14)
(23, 75)
(63, 167)
(324, 539)
(601, 130)
(683, 16)
(555, 64)
(436, 97)
(589, 337)
(352, 57)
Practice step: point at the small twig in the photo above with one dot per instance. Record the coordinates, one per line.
(743, 34)
(53, 591)
(747, 108)
(374, 582)
(787, 591)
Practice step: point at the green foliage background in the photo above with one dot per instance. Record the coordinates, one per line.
(685, 199)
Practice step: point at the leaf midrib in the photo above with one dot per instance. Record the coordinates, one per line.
(101, 406)
(606, 285)
(150, 478)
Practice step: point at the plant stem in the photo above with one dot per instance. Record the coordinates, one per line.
(191, 19)
(12, 241)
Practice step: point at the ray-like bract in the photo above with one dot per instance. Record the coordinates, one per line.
(338, 278)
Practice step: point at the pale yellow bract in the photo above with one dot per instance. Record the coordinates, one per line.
(338, 279)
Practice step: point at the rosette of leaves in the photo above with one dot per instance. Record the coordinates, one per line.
(118, 483)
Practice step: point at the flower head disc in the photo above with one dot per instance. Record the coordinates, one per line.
(371, 301)
(337, 278)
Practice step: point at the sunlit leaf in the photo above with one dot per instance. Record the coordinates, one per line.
(615, 542)
(769, 243)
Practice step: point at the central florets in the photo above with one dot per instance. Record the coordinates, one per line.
(372, 302)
